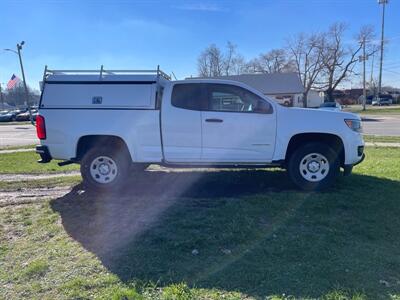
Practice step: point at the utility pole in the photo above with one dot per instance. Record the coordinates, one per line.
(19, 47)
(364, 86)
(363, 58)
(372, 70)
(383, 2)
(26, 102)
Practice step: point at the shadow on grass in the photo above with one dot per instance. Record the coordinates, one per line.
(251, 234)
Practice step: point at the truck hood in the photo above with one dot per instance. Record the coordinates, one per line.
(322, 114)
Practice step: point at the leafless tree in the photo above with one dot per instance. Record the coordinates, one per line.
(367, 34)
(213, 62)
(229, 58)
(322, 60)
(306, 53)
(210, 62)
(252, 66)
(339, 59)
(238, 65)
(275, 61)
(16, 96)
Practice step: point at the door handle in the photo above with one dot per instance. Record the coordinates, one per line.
(214, 120)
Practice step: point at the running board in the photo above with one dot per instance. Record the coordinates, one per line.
(65, 163)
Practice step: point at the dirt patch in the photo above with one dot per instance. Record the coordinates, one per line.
(25, 196)
(24, 177)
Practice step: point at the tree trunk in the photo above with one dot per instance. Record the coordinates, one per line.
(305, 100)
(329, 95)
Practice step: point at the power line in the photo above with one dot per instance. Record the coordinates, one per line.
(391, 71)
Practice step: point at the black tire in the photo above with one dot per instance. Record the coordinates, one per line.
(300, 162)
(119, 160)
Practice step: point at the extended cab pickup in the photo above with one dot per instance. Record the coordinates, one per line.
(114, 124)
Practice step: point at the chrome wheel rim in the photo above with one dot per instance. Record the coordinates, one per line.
(103, 169)
(314, 167)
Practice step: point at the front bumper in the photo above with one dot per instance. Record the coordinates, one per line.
(349, 168)
(360, 161)
(44, 153)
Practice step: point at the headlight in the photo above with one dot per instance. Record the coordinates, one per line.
(354, 124)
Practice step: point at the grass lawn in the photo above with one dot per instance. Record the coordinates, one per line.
(381, 139)
(17, 147)
(374, 110)
(26, 162)
(210, 235)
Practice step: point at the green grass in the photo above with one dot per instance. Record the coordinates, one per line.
(372, 110)
(26, 162)
(283, 244)
(381, 139)
(17, 147)
(36, 268)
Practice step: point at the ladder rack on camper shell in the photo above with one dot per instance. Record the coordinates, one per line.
(60, 77)
(103, 71)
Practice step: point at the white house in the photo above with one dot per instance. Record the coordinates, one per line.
(315, 98)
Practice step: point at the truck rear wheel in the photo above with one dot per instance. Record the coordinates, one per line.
(314, 166)
(105, 169)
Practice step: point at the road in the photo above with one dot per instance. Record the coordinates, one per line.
(17, 135)
(25, 134)
(382, 124)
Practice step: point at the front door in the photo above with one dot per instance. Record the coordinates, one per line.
(237, 126)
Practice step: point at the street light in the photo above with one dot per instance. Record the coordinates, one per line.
(18, 52)
(383, 2)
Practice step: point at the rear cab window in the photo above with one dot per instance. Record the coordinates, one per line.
(188, 96)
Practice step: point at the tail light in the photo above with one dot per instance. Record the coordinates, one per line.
(40, 127)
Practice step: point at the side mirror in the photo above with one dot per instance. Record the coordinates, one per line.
(262, 107)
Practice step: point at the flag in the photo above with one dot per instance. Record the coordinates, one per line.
(13, 81)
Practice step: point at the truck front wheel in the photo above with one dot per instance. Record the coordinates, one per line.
(104, 169)
(314, 166)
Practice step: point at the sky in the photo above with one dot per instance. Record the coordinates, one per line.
(138, 34)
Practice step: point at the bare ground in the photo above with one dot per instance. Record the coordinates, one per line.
(25, 196)
(20, 177)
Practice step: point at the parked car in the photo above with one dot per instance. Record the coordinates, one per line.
(24, 116)
(369, 99)
(331, 106)
(382, 101)
(118, 124)
(8, 116)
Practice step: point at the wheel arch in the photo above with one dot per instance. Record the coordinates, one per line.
(86, 142)
(332, 140)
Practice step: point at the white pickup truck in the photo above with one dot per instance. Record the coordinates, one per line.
(116, 123)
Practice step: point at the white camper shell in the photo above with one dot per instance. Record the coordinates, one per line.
(109, 89)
